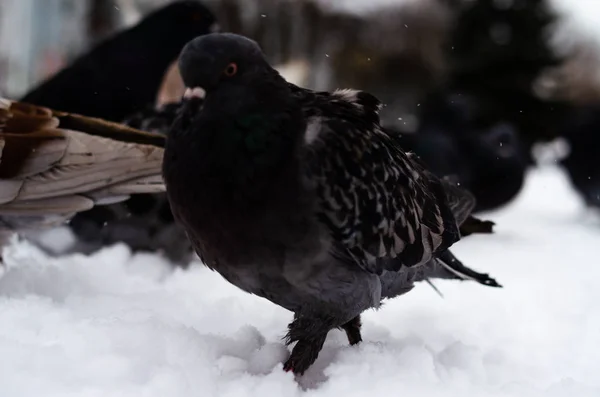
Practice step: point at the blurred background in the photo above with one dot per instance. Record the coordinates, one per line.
(474, 87)
(502, 96)
(38, 37)
(365, 44)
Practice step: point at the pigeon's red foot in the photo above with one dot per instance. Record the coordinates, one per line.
(287, 367)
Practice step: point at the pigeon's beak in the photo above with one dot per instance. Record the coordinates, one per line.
(196, 92)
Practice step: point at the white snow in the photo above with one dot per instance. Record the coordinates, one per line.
(116, 324)
(113, 324)
(580, 15)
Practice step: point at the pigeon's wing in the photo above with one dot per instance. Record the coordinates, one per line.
(382, 207)
(460, 201)
(55, 164)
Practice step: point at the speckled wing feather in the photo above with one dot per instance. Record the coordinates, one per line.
(383, 208)
(55, 164)
(460, 201)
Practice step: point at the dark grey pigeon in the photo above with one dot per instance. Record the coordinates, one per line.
(300, 197)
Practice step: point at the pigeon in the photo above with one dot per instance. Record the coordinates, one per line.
(581, 132)
(468, 138)
(122, 74)
(55, 164)
(300, 197)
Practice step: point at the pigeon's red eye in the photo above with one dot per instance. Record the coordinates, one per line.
(231, 70)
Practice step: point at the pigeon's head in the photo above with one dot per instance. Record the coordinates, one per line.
(220, 60)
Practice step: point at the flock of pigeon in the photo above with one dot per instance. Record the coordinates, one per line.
(304, 197)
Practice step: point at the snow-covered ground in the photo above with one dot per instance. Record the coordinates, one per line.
(114, 324)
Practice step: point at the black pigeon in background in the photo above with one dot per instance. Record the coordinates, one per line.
(466, 138)
(479, 125)
(300, 197)
(581, 130)
(122, 74)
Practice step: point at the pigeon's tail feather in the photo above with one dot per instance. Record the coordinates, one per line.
(54, 164)
(462, 203)
(447, 266)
